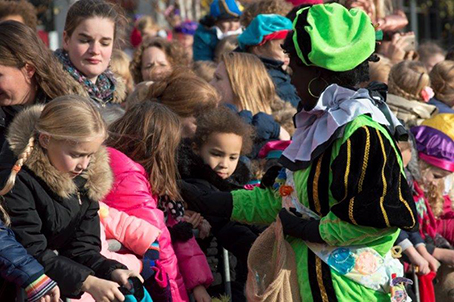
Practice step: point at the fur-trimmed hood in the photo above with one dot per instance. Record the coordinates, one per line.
(98, 176)
(190, 165)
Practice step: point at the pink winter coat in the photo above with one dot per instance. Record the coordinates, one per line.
(133, 233)
(131, 193)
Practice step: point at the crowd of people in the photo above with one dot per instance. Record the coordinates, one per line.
(312, 141)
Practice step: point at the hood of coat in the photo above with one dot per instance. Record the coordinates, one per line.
(419, 109)
(119, 95)
(98, 175)
(191, 165)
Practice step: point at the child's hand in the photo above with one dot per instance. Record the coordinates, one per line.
(102, 290)
(204, 229)
(201, 294)
(418, 261)
(121, 276)
(195, 219)
(51, 296)
(433, 263)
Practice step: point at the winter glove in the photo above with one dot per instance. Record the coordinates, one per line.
(270, 176)
(181, 232)
(300, 228)
(149, 260)
(207, 203)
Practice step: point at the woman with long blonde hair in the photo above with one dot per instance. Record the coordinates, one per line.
(242, 80)
(53, 174)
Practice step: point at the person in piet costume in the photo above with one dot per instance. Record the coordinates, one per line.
(342, 195)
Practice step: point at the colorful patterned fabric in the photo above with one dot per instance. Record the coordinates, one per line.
(102, 91)
(39, 287)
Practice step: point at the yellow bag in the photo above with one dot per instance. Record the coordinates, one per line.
(272, 268)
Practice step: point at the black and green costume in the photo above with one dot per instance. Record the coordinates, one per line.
(358, 187)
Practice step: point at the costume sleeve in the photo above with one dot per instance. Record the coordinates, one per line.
(85, 248)
(372, 193)
(26, 224)
(258, 206)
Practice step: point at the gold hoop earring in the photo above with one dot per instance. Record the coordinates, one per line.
(309, 87)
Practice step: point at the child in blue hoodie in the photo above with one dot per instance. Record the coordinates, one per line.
(222, 21)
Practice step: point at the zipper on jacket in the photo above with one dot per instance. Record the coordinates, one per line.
(78, 197)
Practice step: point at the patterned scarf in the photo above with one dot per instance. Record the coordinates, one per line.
(102, 91)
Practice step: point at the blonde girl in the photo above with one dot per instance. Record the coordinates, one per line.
(242, 80)
(442, 77)
(91, 29)
(53, 173)
(409, 93)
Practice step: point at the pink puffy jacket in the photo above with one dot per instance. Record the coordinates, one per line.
(131, 193)
(133, 233)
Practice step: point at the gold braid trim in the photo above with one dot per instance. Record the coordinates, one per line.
(318, 170)
(318, 269)
(363, 173)
(347, 167)
(406, 203)
(385, 187)
(366, 160)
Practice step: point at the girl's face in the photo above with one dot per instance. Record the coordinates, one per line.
(154, 64)
(433, 175)
(228, 25)
(221, 152)
(222, 84)
(273, 50)
(70, 157)
(90, 46)
(185, 40)
(16, 85)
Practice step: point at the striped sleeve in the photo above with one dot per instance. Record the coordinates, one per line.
(39, 288)
(369, 185)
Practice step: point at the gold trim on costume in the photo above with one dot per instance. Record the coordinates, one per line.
(318, 170)
(347, 167)
(318, 269)
(366, 160)
(406, 203)
(382, 198)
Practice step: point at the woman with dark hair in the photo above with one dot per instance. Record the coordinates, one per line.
(342, 169)
(29, 73)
